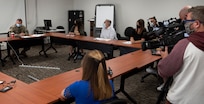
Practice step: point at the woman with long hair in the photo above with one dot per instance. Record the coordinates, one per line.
(95, 87)
(77, 29)
(137, 36)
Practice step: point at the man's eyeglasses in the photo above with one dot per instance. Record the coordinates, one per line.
(187, 21)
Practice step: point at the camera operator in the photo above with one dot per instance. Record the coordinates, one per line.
(182, 14)
(185, 62)
(182, 17)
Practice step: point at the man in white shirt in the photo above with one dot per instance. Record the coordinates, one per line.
(107, 31)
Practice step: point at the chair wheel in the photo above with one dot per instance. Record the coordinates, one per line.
(69, 57)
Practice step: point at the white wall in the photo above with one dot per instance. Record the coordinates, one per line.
(129, 11)
(31, 15)
(11, 10)
(56, 10)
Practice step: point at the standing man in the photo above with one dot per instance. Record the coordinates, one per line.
(107, 31)
(185, 62)
(182, 17)
(19, 30)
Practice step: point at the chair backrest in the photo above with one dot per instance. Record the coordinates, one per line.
(129, 31)
(85, 34)
(59, 27)
(115, 101)
(118, 36)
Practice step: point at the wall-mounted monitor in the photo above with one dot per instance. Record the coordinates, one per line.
(48, 24)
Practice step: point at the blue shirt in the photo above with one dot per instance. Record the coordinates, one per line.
(80, 90)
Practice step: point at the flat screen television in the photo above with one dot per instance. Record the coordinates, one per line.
(48, 24)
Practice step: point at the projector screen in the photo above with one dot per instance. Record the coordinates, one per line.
(103, 12)
(10, 11)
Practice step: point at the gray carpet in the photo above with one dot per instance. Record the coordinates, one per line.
(143, 93)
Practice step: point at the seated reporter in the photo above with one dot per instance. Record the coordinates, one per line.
(153, 25)
(138, 35)
(19, 30)
(107, 31)
(94, 87)
(77, 29)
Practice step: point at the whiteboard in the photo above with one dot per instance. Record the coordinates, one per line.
(103, 12)
(10, 11)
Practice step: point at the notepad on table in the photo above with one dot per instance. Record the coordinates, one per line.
(103, 39)
(127, 42)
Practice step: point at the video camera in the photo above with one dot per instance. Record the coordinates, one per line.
(167, 35)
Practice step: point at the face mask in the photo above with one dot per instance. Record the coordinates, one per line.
(166, 23)
(188, 28)
(151, 24)
(138, 26)
(18, 25)
(104, 25)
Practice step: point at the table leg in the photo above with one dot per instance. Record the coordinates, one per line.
(122, 85)
(51, 46)
(8, 54)
(43, 49)
(2, 62)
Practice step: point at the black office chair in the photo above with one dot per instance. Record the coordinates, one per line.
(115, 101)
(129, 31)
(120, 37)
(112, 101)
(60, 27)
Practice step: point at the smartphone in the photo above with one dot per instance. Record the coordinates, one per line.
(5, 89)
(1, 82)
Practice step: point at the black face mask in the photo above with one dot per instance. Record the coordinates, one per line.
(138, 26)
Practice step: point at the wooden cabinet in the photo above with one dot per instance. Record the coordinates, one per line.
(92, 24)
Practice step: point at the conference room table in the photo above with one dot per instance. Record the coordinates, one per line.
(22, 93)
(90, 43)
(83, 42)
(14, 43)
(94, 39)
(54, 85)
(48, 90)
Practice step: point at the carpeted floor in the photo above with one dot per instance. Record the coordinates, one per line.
(143, 93)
